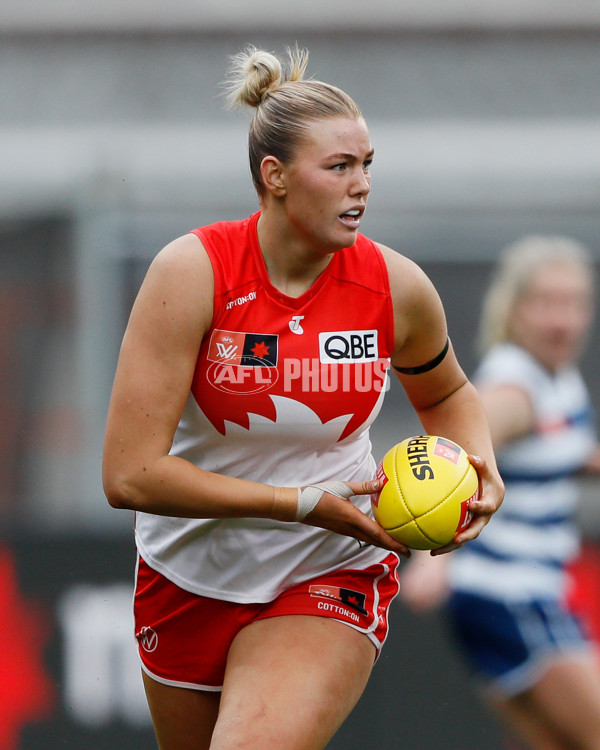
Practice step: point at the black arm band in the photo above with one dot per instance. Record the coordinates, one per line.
(428, 365)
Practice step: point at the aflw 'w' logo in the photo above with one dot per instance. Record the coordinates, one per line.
(226, 351)
(241, 349)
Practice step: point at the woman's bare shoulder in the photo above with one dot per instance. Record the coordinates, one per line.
(406, 276)
(185, 253)
(179, 284)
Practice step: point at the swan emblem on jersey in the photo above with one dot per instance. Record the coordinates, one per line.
(233, 453)
(289, 413)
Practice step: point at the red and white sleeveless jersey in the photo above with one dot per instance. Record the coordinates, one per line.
(284, 392)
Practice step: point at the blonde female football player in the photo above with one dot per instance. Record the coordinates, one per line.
(507, 590)
(253, 364)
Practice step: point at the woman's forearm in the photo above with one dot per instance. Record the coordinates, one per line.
(172, 486)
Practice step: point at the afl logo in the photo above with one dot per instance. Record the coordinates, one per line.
(241, 380)
(348, 346)
(148, 639)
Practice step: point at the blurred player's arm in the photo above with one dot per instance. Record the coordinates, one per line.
(592, 465)
(509, 412)
(424, 582)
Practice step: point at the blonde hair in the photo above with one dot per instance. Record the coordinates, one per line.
(286, 104)
(518, 262)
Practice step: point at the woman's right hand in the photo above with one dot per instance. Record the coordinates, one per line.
(336, 513)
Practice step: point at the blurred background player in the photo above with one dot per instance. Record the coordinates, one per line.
(258, 615)
(506, 592)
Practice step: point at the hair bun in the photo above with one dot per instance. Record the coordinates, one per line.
(253, 74)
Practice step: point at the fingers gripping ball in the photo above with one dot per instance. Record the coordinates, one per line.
(428, 486)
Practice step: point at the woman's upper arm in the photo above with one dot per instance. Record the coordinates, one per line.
(420, 334)
(509, 411)
(420, 330)
(171, 314)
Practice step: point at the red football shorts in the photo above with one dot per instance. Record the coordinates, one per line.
(184, 638)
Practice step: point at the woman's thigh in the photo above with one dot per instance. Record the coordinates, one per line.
(290, 682)
(183, 719)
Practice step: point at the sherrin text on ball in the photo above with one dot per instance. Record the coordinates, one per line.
(428, 485)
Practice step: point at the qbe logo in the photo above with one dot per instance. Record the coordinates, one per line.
(337, 347)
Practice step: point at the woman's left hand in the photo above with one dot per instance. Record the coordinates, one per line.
(491, 495)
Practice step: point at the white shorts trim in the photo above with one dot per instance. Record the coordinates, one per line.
(175, 683)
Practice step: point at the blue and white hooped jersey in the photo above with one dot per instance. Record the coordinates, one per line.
(522, 552)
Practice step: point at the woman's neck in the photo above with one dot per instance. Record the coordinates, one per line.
(292, 267)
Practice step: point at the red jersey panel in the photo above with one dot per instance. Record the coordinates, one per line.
(334, 339)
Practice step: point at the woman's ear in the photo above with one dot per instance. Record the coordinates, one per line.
(272, 173)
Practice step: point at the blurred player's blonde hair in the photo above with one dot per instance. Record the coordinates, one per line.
(285, 103)
(517, 264)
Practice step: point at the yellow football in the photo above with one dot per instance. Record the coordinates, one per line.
(428, 486)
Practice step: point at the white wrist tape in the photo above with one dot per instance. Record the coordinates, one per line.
(310, 496)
